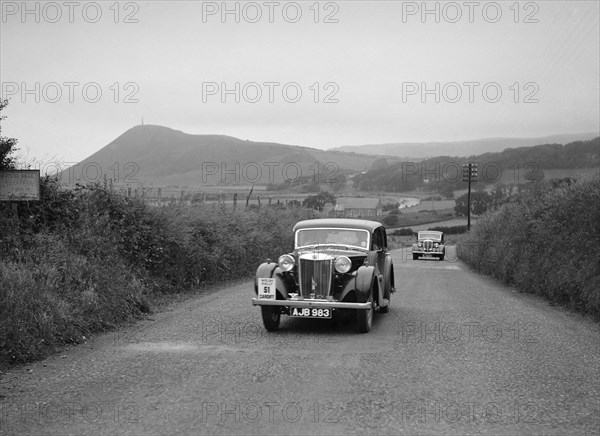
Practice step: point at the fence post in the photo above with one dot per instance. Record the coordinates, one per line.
(248, 197)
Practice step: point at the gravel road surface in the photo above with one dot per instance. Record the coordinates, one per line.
(458, 353)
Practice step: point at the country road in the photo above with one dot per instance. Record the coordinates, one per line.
(458, 353)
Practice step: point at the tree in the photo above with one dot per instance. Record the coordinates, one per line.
(338, 182)
(390, 220)
(379, 164)
(390, 206)
(8, 146)
(447, 191)
(310, 187)
(535, 175)
(500, 194)
(319, 201)
(480, 202)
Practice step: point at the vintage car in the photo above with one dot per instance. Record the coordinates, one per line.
(429, 243)
(338, 266)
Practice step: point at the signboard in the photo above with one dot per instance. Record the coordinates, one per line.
(19, 185)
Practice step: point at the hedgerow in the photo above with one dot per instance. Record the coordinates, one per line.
(87, 260)
(544, 242)
(450, 230)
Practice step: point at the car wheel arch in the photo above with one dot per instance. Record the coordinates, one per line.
(264, 270)
(365, 276)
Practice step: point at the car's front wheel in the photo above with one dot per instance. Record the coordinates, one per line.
(365, 318)
(271, 316)
(415, 256)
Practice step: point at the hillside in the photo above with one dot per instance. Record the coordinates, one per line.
(421, 150)
(442, 173)
(160, 156)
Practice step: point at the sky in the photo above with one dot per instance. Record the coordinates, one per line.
(318, 74)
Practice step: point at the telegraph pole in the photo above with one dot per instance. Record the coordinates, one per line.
(469, 171)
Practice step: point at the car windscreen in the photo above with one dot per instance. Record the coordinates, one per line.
(432, 236)
(354, 238)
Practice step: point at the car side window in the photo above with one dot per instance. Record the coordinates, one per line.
(377, 240)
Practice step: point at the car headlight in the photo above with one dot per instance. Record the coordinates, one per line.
(419, 244)
(436, 245)
(286, 262)
(342, 264)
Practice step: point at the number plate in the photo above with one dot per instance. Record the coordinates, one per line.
(310, 312)
(266, 289)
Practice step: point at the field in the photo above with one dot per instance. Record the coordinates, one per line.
(431, 205)
(447, 223)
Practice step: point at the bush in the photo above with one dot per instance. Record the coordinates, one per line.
(545, 242)
(403, 232)
(452, 230)
(390, 207)
(390, 220)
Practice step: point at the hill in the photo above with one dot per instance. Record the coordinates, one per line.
(160, 156)
(421, 150)
(443, 173)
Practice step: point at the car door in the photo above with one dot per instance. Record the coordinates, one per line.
(380, 247)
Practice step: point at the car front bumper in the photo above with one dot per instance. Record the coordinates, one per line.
(427, 252)
(326, 304)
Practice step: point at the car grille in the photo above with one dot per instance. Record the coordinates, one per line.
(315, 278)
(428, 245)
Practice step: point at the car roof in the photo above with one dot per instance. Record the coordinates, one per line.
(338, 222)
(431, 231)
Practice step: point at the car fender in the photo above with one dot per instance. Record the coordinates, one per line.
(272, 270)
(349, 287)
(364, 280)
(388, 277)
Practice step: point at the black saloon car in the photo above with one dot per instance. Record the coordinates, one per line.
(336, 264)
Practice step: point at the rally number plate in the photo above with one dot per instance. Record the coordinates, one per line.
(310, 312)
(266, 289)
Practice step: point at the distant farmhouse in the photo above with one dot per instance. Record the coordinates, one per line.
(352, 207)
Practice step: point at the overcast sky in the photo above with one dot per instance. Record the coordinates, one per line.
(367, 72)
